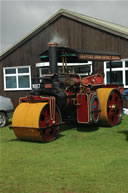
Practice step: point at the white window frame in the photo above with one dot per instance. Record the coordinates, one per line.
(123, 69)
(16, 75)
(46, 64)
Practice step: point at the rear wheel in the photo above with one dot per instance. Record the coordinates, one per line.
(51, 132)
(114, 108)
(3, 119)
(111, 106)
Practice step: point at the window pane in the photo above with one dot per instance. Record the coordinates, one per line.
(82, 69)
(108, 77)
(116, 77)
(23, 70)
(70, 69)
(45, 71)
(23, 81)
(126, 77)
(60, 70)
(114, 64)
(126, 64)
(11, 82)
(10, 71)
(77, 69)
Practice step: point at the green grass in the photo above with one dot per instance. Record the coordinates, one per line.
(78, 161)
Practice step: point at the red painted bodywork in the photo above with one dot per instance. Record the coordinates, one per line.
(93, 80)
(82, 108)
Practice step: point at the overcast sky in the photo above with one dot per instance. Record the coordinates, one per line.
(18, 18)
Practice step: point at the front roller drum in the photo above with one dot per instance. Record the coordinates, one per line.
(111, 106)
(32, 122)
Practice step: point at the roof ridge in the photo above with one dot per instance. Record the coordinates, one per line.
(106, 21)
(96, 20)
(102, 20)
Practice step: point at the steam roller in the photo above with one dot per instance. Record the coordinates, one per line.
(63, 96)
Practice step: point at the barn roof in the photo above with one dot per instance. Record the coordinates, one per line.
(118, 30)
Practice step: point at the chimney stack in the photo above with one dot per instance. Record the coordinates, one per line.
(52, 52)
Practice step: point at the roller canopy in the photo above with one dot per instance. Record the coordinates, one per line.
(79, 55)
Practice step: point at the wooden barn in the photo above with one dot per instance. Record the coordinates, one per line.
(20, 63)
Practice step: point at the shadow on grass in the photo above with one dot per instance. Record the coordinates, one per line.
(125, 132)
(80, 127)
(26, 141)
(65, 127)
(87, 128)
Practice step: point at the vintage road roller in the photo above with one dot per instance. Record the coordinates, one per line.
(61, 95)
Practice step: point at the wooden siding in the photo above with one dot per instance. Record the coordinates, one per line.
(73, 34)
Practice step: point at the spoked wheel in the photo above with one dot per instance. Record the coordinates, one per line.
(111, 106)
(51, 131)
(114, 108)
(95, 109)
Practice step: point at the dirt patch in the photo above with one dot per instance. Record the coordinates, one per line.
(65, 190)
(79, 136)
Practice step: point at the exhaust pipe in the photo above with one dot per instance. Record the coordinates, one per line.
(52, 52)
